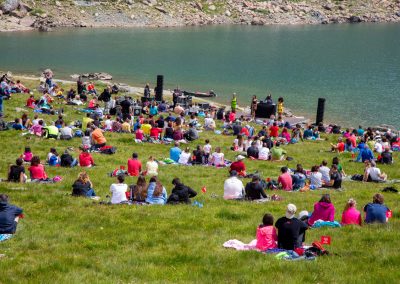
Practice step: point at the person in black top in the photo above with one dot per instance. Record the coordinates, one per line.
(252, 151)
(80, 86)
(169, 131)
(126, 108)
(67, 160)
(16, 172)
(160, 122)
(180, 193)
(146, 92)
(289, 229)
(83, 186)
(199, 156)
(386, 157)
(9, 216)
(336, 177)
(236, 127)
(254, 189)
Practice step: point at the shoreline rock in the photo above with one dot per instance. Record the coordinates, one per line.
(48, 14)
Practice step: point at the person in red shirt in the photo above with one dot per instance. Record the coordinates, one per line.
(134, 166)
(285, 180)
(274, 130)
(85, 159)
(232, 116)
(339, 147)
(155, 133)
(31, 102)
(90, 88)
(238, 166)
(37, 169)
(245, 131)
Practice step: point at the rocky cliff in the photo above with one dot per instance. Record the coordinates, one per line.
(49, 14)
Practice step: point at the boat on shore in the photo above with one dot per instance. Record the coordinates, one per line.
(210, 94)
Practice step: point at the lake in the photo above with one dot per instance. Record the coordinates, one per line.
(355, 67)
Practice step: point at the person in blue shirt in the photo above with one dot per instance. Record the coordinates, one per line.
(175, 152)
(360, 131)
(17, 124)
(1, 105)
(366, 154)
(9, 216)
(153, 109)
(376, 211)
(156, 192)
(308, 133)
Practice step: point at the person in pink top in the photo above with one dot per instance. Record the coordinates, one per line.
(266, 234)
(37, 169)
(285, 134)
(350, 215)
(285, 179)
(323, 210)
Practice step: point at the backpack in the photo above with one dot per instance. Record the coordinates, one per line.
(78, 133)
(109, 150)
(316, 250)
(357, 177)
(53, 160)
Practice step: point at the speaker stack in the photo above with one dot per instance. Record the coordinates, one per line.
(159, 88)
(320, 111)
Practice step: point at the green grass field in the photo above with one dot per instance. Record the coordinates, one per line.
(63, 239)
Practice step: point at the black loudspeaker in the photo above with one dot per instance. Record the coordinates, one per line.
(204, 106)
(320, 111)
(159, 87)
(265, 110)
(137, 111)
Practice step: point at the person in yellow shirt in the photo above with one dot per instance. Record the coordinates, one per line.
(85, 121)
(126, 127)
(280, 106)
(146, 127)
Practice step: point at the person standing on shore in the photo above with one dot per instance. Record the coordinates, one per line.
(253, 107)
(233, 102)
(280, 106)
(147, 91)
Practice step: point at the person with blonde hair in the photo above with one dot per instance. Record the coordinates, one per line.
(83, 186)
(350, 215)
(151, 167)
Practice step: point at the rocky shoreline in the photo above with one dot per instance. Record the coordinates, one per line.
(16, 15)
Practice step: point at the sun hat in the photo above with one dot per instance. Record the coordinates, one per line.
(290, 211)
(303, 214)
(240, 157)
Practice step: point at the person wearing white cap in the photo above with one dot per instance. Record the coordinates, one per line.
(290, 229)
(238, 166)
(233, 187)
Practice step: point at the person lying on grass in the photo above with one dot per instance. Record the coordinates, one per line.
(180, 193)
(83, 186)
(9, 216)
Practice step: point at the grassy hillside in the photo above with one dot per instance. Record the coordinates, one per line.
(74, 240)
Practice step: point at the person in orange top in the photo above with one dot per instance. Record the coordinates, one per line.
(97, 137)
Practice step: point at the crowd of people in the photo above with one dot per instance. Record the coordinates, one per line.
(158, 122)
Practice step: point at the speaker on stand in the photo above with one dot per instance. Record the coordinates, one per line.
(320, 111)
(159, 88)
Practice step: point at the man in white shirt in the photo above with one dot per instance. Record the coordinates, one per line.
(66, 132)
(375, 174)
(233, 187)
(209, 123)
(263, 154)
(378, 147)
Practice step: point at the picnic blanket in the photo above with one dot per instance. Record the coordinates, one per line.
(320, 224)
(238, 245)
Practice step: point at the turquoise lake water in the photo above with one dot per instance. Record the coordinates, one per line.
(355, 67)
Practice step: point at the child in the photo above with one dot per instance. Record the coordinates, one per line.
(207, 151)
(139, 136)
(37, 129)
(86, 141)
(31, 102)
(266, 234)
(85, 159)
(27, 156)
(280, 106)
(52, 152)
(351, 216)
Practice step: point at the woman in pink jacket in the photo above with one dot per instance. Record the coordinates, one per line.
(323, 210)
(266, 234)
(350, 215)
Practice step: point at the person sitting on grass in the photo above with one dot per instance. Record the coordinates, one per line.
(263, 154)
(339, 147)
(366, 154)
(372, 173)
(67, 160)
(53, 158)
(198, 156)
(209, 123)
(184, 158)
(97, 137)
(156, 192)
(290, 229)
(266, 234)
(180, 193)
(335, 178)
(323, 210)
(151, 167)
(299, 178)
(277, 153)
(126, 126)
(254, 190)
(9, 216)
(325, 172)
(315, 178)
(233, 187)
(252, 151)
(16, 173)
(376, 212)
(50, 132)
(175, 152)
(285, 179)
(83, 186)
(86, 159)
(192, 133)
(386, 157)
(218, 158)
(239, 166)
(36, 170)
(66, 132)
(17, 124)
(336, 161)
(118, 191)
(350, 215)
(27, 156)
(138, 191)
(134, 166)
